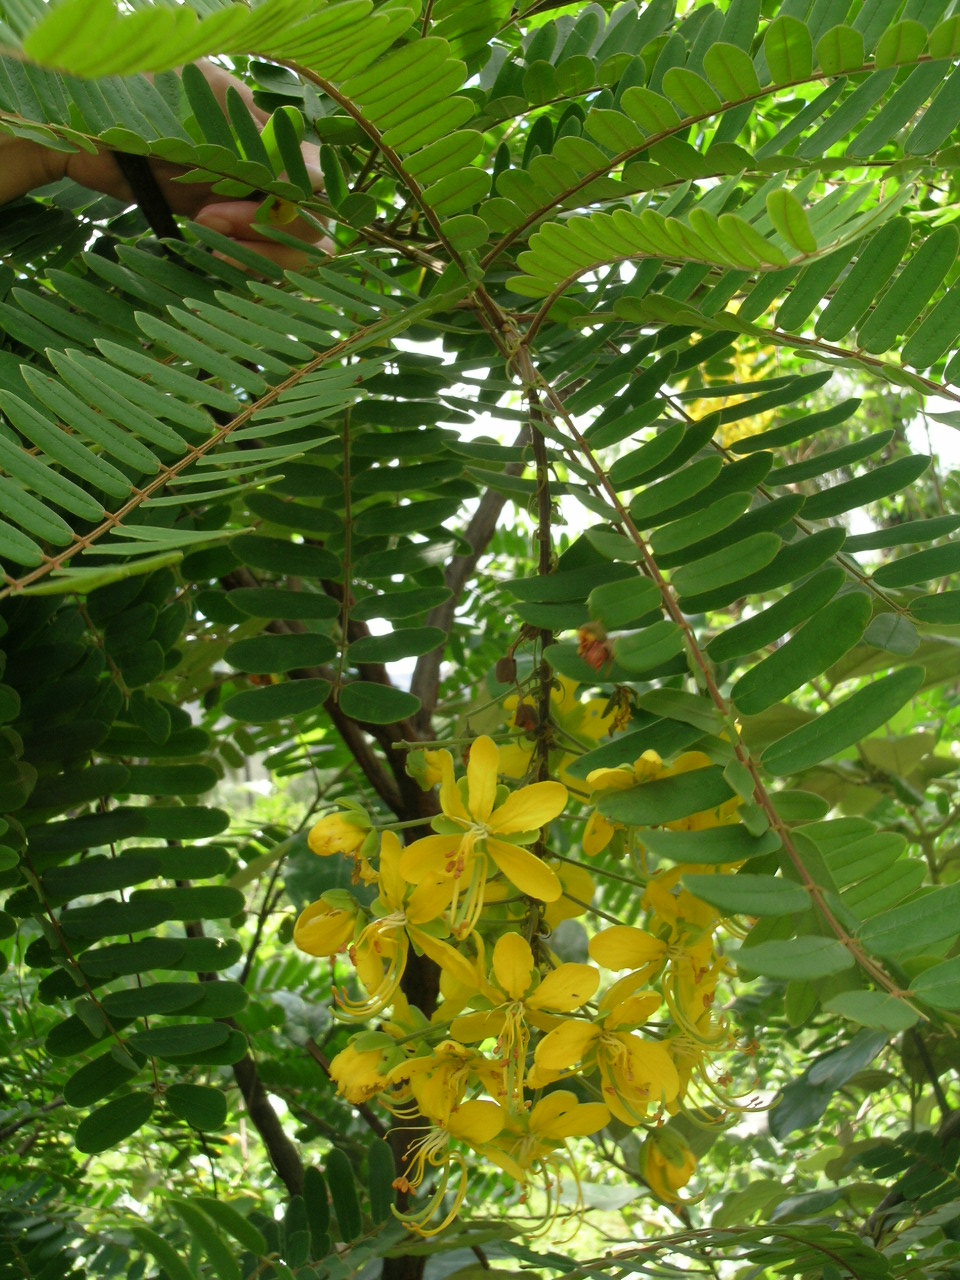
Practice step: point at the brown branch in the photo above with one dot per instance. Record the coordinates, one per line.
(283, 1154)
(426, 674)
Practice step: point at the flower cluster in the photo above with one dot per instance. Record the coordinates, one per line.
(524, 1050)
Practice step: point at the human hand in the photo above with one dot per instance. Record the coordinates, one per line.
(25, 165)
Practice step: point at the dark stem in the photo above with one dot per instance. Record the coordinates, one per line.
(146, 191)
(283, 1154)
(426, 675)
(541, 749)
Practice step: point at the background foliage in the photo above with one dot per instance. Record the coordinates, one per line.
(669, 290)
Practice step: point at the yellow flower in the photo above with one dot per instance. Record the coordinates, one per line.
(475, 1123)
(380, 951)
(439, 1080)
(575, 723)
(634, 1073)
(529, 1139)
(359, 1073)
(328, 925)
(473, 824)
(519, 997)
(425, 767)
(686, 956)
(339, 833)
(667, 1164)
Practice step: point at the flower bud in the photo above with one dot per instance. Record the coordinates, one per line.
(342, 833)
(328, 925)
(667, 1164)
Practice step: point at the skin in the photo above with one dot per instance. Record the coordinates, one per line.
(25, 165)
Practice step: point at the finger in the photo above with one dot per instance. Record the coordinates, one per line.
(237, 219)
(232, 218)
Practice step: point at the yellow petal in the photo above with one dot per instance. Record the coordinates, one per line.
(476, 1122)
(611, 779)
(429, 900)
(529, 808)
(514, 760)
(561, 1115)
(471, 1028)
(391, 882)
(507, 1162)
(550, 1108)
(642, 1072)
(513, 965)
(338, 833)
(322, 930)
(565, 988)
(578, 889)
(482, 778)
(597, 834)
(427, 858)
(448, 958)
(634, 1011)
(562, 1049)
(450, 800)
(624, 947)
(525, 870)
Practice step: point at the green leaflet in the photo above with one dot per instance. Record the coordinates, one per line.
(114, 1121)
(823, 640)
(647, 650)
(661, 497)
(874, 266)
(873, 1009)
(844, 724)
(841, 49)
(787, 49)
(157, 998)
(925, 925)
(267, 655)
(794, 959)
(936, 334)
(97, 1079)
(234, 1223)
(731, 565)
(203, 1230)
(377, 703)
(712, 846)
(875, 484)
(666, 799)
(789, 217)
(748, 894)
(343, 1192)
(939, 986)
(911, 291)
(922, 566)
(164, 1253)
(811, 286)
(820, 464)
(618, 604)
(684, 533)
(938, 121)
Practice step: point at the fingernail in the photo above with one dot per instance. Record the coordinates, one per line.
(213, 222)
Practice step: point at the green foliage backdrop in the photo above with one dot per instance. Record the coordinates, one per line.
(688, 274)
